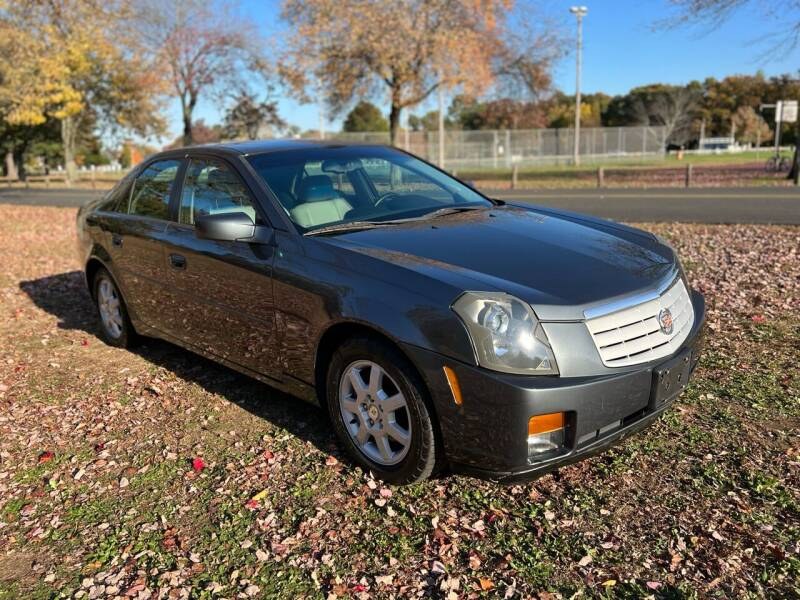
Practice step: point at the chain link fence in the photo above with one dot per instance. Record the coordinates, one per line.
(502, 149)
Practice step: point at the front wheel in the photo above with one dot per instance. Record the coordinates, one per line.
(376, 402)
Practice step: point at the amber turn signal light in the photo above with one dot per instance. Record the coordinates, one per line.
(452, 381)
(545, 423)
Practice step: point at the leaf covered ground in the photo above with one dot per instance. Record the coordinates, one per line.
(156, 473)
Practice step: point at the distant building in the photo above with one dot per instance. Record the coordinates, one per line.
(718, 144)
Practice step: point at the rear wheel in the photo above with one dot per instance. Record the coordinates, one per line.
(115, 325)
(376, 402)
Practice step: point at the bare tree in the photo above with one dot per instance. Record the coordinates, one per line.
(785, 15)
(674, 110)
(671, 107)
(206, 47)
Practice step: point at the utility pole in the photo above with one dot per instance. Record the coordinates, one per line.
(702, 133)
(579, 12)
(441, 127)
(321, 104)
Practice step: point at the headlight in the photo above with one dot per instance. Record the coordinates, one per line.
(506, 334)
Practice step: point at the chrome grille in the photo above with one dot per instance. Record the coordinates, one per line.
(633, 335)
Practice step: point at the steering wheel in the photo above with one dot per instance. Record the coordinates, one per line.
(386, 197)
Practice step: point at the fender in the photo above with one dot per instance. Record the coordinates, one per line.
(425, 325)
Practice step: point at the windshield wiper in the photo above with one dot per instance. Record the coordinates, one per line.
(449, 210)
(361, 225)
(349, 226)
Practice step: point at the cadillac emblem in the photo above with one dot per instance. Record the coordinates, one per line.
(665, 321)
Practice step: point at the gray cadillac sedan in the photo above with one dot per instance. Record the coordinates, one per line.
(437, 327)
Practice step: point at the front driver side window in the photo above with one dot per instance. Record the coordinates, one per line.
(151, 190)
(211, 188)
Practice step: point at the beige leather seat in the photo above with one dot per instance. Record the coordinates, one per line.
(320, 203)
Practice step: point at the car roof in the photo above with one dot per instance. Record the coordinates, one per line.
(248, 148)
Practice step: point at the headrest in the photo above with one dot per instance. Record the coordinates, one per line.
(218, 178)
(317, 188)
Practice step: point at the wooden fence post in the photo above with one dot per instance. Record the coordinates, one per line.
(94, 183)
(514, 174)
(689, 175)
(601, 175)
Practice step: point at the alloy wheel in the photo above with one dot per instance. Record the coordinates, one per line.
(375, 413)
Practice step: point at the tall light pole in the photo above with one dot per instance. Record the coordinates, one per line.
(321, 104)
(579, 12)
(441, 127)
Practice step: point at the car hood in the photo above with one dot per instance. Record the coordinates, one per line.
(560, 263)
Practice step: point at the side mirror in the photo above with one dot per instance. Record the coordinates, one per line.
(231, 227)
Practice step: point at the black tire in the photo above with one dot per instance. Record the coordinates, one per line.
(126, 335)
(424, 453)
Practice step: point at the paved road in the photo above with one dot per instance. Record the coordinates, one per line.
(708, 205)
(50, 197)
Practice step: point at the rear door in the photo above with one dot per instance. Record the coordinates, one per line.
(221, 297)
(137, 237)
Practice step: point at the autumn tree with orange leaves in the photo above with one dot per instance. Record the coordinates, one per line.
(344, 50)
(70, 60)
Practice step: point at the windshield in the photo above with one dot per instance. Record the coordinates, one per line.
(329, 186)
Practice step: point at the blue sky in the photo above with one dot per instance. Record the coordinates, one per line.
(624, 46)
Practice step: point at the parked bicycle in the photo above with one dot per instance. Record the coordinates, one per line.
(778, 164)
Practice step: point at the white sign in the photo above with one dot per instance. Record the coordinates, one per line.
(788, 110)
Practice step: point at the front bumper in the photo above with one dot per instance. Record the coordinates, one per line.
(486, 435)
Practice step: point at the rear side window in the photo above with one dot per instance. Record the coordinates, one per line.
(152, 188)
(211, 188)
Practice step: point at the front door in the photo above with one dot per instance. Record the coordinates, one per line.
(221, 297)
